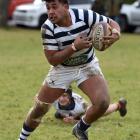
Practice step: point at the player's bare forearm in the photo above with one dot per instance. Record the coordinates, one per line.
(58, 57)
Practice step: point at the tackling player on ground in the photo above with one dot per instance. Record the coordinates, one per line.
(69, 50)
(70, 107)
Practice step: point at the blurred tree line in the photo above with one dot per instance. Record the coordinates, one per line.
(109, 8)
(3, 12)
(129, 1)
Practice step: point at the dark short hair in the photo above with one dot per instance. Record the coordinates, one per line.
(61, 1)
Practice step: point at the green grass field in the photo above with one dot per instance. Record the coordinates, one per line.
(23, 68)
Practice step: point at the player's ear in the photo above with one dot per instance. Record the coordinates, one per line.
(66, 6)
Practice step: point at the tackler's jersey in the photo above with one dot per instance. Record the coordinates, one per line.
(55, 37)
(76, 109)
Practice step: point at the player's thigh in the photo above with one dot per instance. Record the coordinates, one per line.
(96, 89)
(47, 94)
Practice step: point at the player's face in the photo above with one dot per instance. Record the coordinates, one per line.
(64, 100)
(56, 11)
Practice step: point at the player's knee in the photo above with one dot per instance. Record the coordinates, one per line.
(37, 112)
(101, 104)
(41, 107)
(104, 104)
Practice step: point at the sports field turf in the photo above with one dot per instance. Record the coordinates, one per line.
(23, 68)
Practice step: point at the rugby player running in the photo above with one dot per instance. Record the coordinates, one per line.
(68, 48)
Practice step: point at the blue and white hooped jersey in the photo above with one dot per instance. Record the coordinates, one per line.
(55, 37)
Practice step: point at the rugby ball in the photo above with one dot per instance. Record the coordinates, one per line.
(97, 33)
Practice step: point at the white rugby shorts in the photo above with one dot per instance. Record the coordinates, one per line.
(62, 76)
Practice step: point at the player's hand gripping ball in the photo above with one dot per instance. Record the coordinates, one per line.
(97, 33)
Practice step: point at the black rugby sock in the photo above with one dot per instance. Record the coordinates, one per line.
(82, 125)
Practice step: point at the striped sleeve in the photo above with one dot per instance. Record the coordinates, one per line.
(48, 40)
(93, 18)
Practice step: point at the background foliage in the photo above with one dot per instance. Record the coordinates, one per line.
(129, 1)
